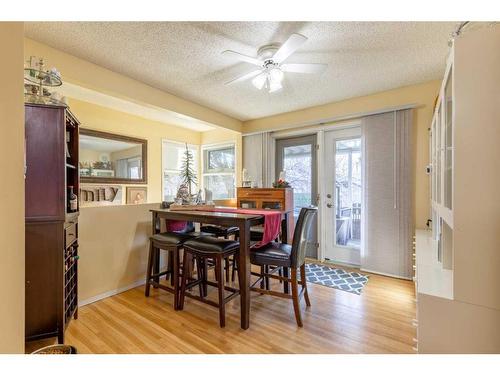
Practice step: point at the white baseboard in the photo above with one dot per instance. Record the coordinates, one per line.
(386, 274)
(111, 293)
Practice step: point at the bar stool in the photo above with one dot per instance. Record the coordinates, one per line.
(171, 242)
(224, 232)
(204, 249)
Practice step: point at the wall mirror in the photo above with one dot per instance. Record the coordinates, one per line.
(112, 158)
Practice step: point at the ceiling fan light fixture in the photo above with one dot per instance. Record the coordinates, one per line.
(259, 81)
(275, 75)
(275, 86)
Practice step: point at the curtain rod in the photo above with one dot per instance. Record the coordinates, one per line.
(331, 120)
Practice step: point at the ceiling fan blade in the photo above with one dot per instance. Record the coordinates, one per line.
(304, 68)
(244, 77)
(241, 57)
(289, 47)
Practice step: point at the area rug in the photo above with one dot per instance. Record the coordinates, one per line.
(337, 278)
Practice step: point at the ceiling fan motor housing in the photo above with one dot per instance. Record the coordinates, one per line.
(267, 52)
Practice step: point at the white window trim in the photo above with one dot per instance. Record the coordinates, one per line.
(216, 146)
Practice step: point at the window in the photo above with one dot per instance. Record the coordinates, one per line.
(219, 171)
(172, 159)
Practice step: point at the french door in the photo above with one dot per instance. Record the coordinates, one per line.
(297, 157)
(343, 193)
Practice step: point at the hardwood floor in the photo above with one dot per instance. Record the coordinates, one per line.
(377, 321)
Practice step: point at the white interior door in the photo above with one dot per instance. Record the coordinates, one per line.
(343, 194)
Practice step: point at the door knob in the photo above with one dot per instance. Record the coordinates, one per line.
(328, 195)
(329, 205)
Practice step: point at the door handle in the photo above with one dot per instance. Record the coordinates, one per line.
(329, 205)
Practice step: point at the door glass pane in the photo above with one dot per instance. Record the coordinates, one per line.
(348, 192)
(297, 164)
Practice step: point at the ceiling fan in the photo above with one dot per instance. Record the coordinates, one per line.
(270, 60)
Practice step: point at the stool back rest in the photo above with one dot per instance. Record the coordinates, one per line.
(303, 236)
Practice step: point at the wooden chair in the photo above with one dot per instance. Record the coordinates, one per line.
(284, 256)
(203, 249)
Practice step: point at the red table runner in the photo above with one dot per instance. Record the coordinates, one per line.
(272, 222)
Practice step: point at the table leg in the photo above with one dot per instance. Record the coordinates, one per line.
(286, 274)
(284, 228)
(175, 277)
(156, 262)
(244, 274)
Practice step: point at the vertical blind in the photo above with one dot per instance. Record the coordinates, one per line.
(258, 158)
(387, 222)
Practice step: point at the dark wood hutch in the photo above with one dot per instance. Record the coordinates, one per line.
(52, 136)
(268, 198)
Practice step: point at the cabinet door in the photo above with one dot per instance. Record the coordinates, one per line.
(432, 148)
(448, 141)
(44, 279)
(45, 163)
(439, 157)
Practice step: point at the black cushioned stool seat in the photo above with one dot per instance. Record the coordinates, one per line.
(272, 254)
(175, 238)
(208, 244)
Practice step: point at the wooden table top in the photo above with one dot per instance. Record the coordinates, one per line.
(215, 214)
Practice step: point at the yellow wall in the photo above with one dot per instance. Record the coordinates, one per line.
(104, 119)
(423, 95)
(113, 249)
(91, 76)
(12, 189)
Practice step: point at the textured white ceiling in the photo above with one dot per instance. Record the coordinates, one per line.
(184, 58)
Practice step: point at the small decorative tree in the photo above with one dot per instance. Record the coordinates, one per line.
(187, 174)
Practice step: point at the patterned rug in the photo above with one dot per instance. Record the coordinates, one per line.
(337, 278)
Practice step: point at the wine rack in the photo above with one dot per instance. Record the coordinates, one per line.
(70, 281)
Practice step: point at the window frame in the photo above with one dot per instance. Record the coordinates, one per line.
(205, 171)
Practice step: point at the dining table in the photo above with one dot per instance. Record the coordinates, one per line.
(244, 219)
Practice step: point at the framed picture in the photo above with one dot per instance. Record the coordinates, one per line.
(137, 195)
